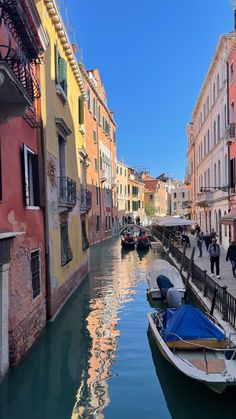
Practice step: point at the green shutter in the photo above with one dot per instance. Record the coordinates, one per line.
(56, 57)
(81, 110)
(62, 73)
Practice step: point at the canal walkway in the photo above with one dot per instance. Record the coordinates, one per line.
(203, 262)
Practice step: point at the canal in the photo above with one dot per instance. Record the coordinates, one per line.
(97, 360)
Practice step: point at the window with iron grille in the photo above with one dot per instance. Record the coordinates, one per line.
(97, 223)
(85, 242)
(35, 272)
(66, 252)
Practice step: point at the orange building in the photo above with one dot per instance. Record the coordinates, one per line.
(155, 194)
(100, 136)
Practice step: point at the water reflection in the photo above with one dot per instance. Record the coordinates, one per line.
(108, 296)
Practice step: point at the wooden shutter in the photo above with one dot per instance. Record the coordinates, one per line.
(62, 74)
(56, 58)
(36, 189)
(81, 110)
(25, 175)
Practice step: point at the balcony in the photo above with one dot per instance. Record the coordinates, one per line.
(204, 198)
(187, 179)
(230, 133)
(20, 48)
(67, 192)
(85, 200)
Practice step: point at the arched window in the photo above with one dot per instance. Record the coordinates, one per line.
(214, 132)
(218, 128)
(219, 174)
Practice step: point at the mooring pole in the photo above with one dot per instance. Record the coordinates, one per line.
(213, 300)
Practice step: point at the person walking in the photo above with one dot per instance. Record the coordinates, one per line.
(214, 252)
(199, 243)
(231, 255)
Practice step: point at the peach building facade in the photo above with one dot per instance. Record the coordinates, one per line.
(100, 134)
(207, 147)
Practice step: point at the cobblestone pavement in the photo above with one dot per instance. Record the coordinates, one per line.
(203, 262)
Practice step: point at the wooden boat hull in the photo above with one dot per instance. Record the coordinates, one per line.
(127, 245)
(219, 376)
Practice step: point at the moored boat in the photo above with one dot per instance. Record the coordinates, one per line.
(161, 276)
(128, 241)
(143, 242)
(196, 346)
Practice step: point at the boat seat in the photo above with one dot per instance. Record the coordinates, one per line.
(211, 343)
(214, 366)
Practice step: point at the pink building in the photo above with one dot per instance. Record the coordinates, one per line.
(22, 248)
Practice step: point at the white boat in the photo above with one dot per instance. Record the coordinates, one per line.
(162, 268)
(207, 360)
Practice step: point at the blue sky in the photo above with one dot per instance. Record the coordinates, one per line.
(152, 56)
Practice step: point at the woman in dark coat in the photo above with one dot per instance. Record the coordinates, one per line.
(231, 255)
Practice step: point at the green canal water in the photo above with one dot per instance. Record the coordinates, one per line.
(97, 359)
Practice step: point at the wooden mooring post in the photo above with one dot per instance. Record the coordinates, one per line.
(225, 304)
(190, 266)
(183, 256)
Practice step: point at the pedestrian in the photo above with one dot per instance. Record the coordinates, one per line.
(214, 252)
(231, 255)
(212, 234)
(207, 240)
(199, 243)
(197, 230)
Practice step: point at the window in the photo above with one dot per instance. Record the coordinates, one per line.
(218, 83)
(120, 189)
(232, 173)
(94, 107)
(81, 109)
(175, 206)
(60, 70)
(85, 242)
(31, 178)
(208, 141)
(135, 206)
(121, 171)
(226, 169)
(183, 194)
(219, 174)
(97, 223)
(114, 136)
(89, 99)
(117, 170)
(214, 92)
(231, 73)
(214, 132)
(225, 116)
(218, 128)
(232, 112)
(97, 195)
(35, 272)
(215, 179)
(95, 164)
(125, 172)
(128, 189)
(175, 195)
(94, 137)
(66, 252)
(128, 205)
(125, 189)
(150, 197)
(99, 114)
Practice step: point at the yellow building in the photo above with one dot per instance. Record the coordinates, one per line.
(122, 190)
(63, 95)
(135, 204)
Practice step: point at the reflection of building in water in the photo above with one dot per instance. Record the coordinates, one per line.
(92, 396)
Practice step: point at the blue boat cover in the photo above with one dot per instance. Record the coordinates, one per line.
(189, 323)
(164, 284)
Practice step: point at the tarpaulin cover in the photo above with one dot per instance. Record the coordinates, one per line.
(164, 284)
(189, 323)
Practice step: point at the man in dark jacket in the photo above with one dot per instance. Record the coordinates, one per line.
(214, 252)
(231, 255)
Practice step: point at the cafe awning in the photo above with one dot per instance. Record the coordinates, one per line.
(228, 219)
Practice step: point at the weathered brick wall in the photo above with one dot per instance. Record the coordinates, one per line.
(25, 334)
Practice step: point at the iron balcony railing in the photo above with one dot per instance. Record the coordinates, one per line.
(67, 191)
(15, 50)
(230, 132)
(85, 200)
